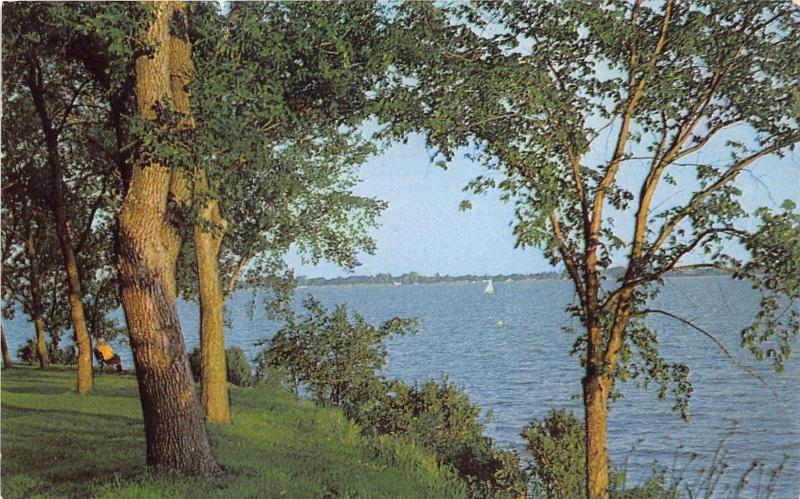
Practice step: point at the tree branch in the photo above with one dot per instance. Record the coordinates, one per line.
(627, 116)
(569, 262)
(232, 281)
(68, 109)
(87, 227)
(699, 196)
(716, 342)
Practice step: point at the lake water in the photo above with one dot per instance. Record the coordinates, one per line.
(524, 369)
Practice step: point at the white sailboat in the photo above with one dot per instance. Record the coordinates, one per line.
(489, 289)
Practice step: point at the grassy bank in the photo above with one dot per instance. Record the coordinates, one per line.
(56, 443)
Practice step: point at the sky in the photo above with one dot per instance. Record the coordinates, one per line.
(422, 230)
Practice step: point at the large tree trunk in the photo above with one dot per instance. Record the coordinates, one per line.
(58, 204)
(212, 337)
(6, 357)
(595, 400)
(36, 302)
(149, 246)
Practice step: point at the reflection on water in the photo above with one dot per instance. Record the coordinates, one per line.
(522, 370)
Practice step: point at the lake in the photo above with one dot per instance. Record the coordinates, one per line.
(523, 370)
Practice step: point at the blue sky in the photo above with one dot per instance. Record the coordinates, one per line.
(423, 231)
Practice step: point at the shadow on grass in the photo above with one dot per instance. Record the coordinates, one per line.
(70, 451)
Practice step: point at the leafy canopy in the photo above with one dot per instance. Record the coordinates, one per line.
(585, 113)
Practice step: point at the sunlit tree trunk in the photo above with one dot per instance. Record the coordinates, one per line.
(6, 357)
(207, 242)
(595, 400)
(58, 204)
(149, 244)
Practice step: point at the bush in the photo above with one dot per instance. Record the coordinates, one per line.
(557, 445)
(65, 356)
(440, 416)
(27, 352)
(333, 358)
(238, 370)
(336, 361)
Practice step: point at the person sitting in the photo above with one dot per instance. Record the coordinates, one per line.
(106, 356)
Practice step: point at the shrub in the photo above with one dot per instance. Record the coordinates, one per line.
(27, 352)
(238, 370)
(440, 416)
(336, 359)
(557, 445)
(66, 356)
(333, 358)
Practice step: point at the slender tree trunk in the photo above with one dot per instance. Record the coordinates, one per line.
(595, 400)
(6, 357)
(149, 246)
(84, 381)
(207, 245)
(58, 204)
(36, 302)
(41, 344)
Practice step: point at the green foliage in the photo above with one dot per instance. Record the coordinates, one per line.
(333, 358)
(555, 99)
(27, 352)
(440, 416)
(557, 445)
(775, 270)
(50, 51)
(239, 371)
(278, 446)
(336, 360)
(278, 97)
(640, 361)
(63, 356)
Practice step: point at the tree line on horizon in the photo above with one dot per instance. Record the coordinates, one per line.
(418, 278)
(158, 150)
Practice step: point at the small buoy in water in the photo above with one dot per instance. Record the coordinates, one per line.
(501, 324)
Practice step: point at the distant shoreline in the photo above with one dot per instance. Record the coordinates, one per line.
(415, 279)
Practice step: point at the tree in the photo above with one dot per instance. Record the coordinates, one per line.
(149, 242)
(29, 276)
(29, 246)
(61, 99)
(534, 90)
(274, 145)
(7, 362)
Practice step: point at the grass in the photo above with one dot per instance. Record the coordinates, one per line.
(56, 443)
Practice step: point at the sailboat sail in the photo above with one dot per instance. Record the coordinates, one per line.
(489, 290)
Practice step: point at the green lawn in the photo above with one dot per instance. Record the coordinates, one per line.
(58, 444)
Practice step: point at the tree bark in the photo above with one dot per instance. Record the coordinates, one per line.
(207, 243)
(6, 357)
(36, 302)
(149, 244)
(58, 206)
(595, 400)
